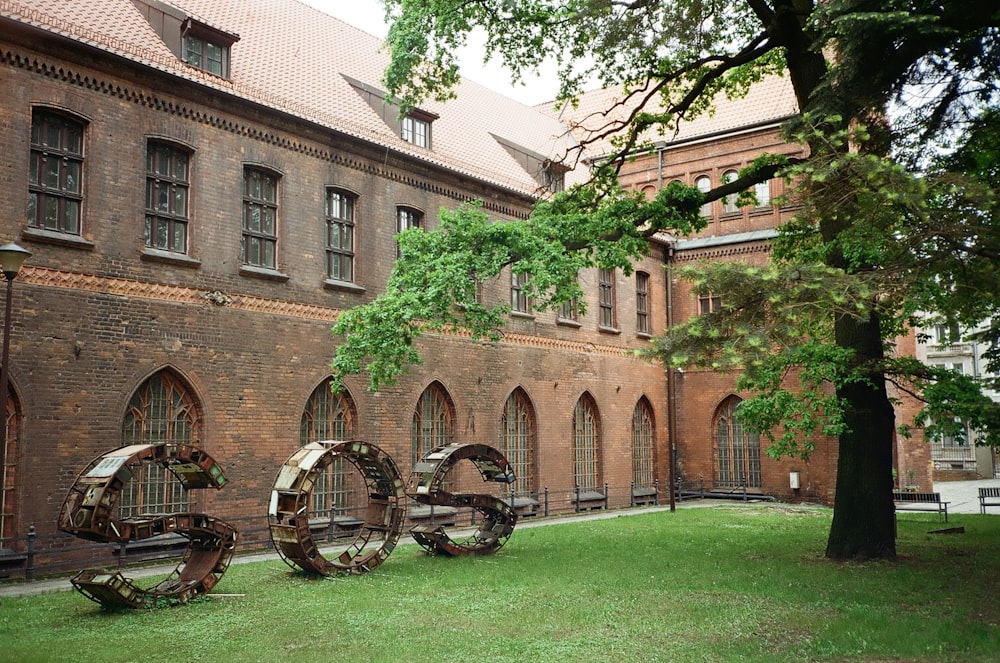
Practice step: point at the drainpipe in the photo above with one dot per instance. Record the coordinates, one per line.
(671, 385)
(659, 166)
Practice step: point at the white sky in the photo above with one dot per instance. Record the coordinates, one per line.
(368, 15)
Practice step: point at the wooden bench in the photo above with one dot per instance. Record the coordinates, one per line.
(989, 496)
(907, 501)
(589, 500)
(338, 527)
(161, 546)
(11, 561)
(525, 507)
(445, 516)
(644, 496)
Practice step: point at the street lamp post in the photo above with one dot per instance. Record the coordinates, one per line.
(12, 257)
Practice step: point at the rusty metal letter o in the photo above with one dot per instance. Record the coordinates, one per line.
(288, 513)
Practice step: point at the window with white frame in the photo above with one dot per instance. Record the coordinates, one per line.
(417, 131)
(704, 184)
(339, 235)
(406, 218)
(729, 205)
(762, 191)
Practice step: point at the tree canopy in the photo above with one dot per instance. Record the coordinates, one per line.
(898, 223)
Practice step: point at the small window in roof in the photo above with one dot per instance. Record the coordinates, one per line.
(206, 47)
(416, 130)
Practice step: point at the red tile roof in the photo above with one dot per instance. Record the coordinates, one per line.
(293, 58)
(771, 100)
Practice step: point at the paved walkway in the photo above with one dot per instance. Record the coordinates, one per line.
(961, 495)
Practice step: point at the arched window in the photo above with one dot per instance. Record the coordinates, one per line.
(162, 410)
(762, 190)
(642, 444)
(330, 416)
(729, 205)
(433, 421)
(517, 440)
(9, 484)
(737, 449)
(586, 444)
(704, 185)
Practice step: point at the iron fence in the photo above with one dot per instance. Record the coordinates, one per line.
(35, 555)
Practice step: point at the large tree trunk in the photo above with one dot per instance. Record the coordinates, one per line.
(863, 514)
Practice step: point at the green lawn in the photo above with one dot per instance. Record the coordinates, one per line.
(730, 583)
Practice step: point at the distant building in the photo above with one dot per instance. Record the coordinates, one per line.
(959, 457)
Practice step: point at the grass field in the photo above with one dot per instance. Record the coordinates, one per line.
(730, 583)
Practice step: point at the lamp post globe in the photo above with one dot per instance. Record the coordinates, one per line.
(12, 257)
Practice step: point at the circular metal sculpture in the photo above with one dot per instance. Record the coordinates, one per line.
(289, 509)
(498, 517)
(89, 513)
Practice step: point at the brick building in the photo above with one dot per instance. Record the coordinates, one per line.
(712, 450)
(204, 185)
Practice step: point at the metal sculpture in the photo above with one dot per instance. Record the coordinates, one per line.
(89, 513)
(290, 504)
(426, 486)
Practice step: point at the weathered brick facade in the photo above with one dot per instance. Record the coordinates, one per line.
(96, 314)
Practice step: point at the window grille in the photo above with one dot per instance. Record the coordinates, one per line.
(642, 444)
(517, 440)
(433, 421)
(161, 411)
(330, 416)
(737, 450)
(586, 444)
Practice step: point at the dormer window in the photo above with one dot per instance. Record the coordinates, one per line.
(553, 177)
(416, 129)
(206, 47)
(549, 174)
(205, 55)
